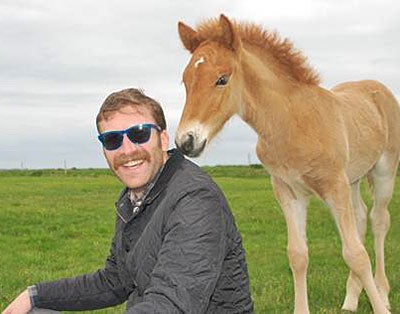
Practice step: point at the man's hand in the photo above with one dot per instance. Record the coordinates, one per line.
(21, 305)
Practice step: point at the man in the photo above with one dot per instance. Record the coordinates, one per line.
(176, 248)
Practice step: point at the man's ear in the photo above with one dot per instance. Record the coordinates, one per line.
(229, 35)
(188, 37)
(164, 140)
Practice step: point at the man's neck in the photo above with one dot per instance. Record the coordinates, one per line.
(137, 194)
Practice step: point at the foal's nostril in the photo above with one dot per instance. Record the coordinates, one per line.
(188, 144)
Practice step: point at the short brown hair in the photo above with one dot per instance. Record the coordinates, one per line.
(130, 97)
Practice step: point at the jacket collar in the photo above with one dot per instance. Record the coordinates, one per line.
(124, 205)
(175, 158)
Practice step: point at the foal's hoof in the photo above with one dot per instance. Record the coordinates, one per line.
(350, 305)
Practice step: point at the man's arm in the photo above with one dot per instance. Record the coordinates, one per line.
(190, 260)
(98, 290)
(87, 292)
(21, 305)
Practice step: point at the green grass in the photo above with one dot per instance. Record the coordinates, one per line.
(56, 225)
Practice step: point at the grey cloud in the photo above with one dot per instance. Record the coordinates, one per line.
(60, 59)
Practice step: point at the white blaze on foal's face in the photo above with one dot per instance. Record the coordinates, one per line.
(199, 61)
(194, 132)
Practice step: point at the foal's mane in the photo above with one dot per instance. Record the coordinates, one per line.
(282, 49)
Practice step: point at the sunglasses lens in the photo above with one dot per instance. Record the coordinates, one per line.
(112, 141)
(139, 136)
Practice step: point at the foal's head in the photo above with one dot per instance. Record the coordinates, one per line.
(211, 81)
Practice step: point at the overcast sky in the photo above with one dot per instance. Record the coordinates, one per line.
(60, 59)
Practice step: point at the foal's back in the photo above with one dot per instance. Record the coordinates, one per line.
(370, 114)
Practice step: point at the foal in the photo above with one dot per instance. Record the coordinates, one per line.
(311, 140)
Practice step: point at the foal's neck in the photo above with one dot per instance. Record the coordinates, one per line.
(268, 94)
(264, 95)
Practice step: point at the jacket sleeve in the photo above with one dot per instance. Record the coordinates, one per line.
(190, 260)
(87, 292)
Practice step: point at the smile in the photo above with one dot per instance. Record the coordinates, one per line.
(133, 163)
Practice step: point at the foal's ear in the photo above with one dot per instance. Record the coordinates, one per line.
(229, 35)
(188, 37)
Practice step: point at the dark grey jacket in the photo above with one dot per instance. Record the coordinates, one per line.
(181, 253)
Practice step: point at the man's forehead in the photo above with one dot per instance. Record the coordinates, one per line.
(136, 112)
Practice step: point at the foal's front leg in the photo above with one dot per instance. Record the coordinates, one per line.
(294, 207)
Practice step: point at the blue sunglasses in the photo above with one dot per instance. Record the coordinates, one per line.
(137, 134)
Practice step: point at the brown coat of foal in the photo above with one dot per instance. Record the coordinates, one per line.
(311, 140)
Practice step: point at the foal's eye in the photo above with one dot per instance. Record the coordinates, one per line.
(222, 80)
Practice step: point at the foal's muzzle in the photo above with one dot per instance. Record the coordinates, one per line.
(189, 146)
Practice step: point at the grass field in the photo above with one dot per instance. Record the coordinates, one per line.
(56, 225)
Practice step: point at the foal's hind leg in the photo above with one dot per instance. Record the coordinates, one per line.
(337, 194)
(354, 287)
(382, 178)
(294, 207)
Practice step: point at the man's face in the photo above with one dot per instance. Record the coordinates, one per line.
(135, 165)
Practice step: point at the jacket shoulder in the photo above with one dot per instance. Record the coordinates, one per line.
(189, 175)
